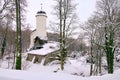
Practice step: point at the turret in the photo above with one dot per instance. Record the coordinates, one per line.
(40, 31)
(41, 24)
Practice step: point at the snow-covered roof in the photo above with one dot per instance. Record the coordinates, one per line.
(47, 49)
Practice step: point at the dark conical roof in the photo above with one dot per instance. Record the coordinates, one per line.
(41, 12)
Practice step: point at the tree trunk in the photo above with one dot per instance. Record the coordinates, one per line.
(64, 30)
(4, 43)
(61, 36)
(109, 44)
(91, 57)
(100, 56)
(18, 35)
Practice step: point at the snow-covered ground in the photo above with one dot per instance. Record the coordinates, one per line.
(74, 69)
(53, 72)
(47, 75)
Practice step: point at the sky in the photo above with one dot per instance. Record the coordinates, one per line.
(85, 9)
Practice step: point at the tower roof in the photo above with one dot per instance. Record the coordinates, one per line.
(41, 12)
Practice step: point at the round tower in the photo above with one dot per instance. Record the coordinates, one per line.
(40, 28)
(41, 24)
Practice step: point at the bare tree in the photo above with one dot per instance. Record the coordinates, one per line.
(109, 12)
(7, 16)
(90, 30)
(106, 19)
(64, 10)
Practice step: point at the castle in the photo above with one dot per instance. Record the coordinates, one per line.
(40, 48)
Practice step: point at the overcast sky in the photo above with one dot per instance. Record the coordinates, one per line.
(85, 8)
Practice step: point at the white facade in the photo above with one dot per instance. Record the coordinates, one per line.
(40, 28)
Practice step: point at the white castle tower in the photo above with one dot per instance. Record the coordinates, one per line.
(40, 27)
(41, 24)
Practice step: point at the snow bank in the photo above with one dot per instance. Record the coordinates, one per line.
(28, 75)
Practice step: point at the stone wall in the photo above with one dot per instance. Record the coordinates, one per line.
(38, 58)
